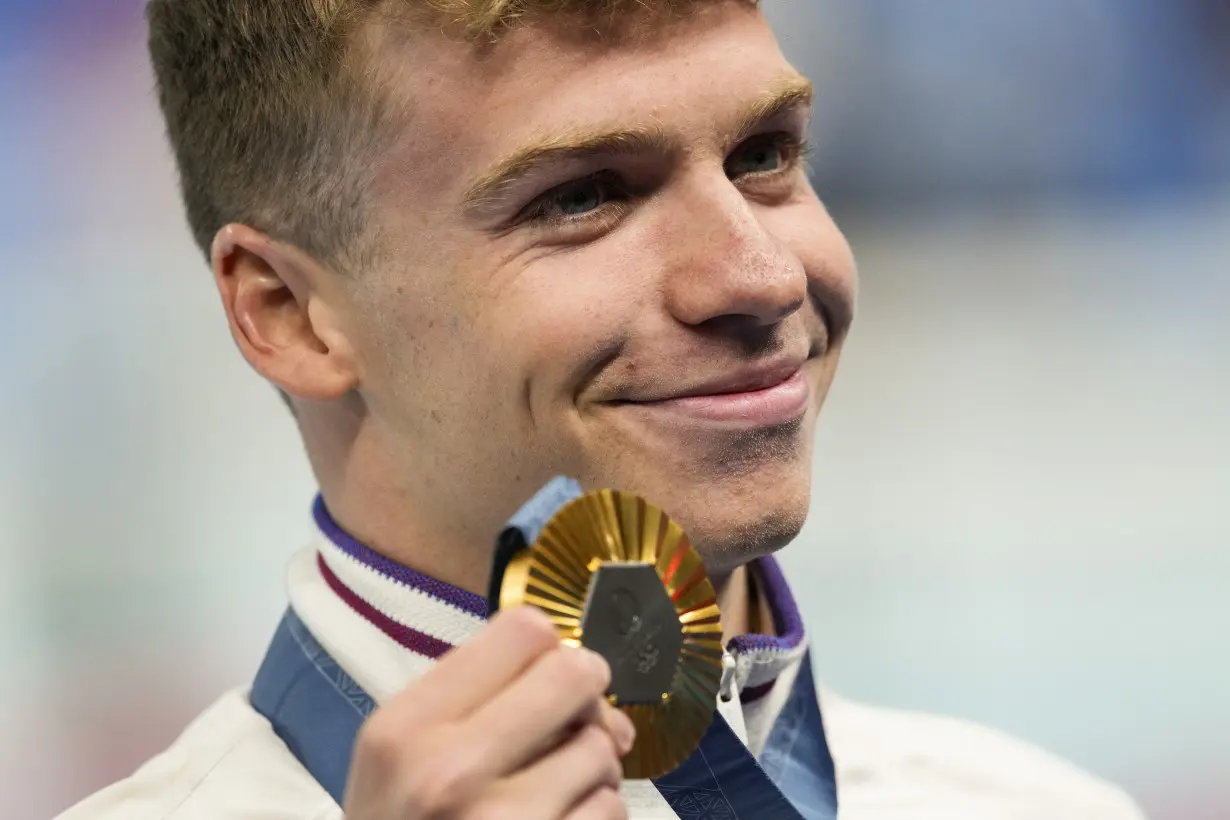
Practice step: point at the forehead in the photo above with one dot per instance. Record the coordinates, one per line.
(465, 106)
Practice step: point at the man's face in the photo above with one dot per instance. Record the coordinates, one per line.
(603, 258)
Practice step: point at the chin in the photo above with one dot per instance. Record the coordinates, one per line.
(729, 533)
(743, 504)
(739, 495)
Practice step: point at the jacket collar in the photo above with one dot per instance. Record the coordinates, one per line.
(387, 623)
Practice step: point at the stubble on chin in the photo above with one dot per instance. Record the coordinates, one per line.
(752, 496)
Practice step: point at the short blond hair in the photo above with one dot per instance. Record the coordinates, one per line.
(274, 125)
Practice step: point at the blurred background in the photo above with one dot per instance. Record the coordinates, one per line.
(1021, 493)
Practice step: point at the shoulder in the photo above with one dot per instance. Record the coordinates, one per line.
(227, 765)
(892, 763)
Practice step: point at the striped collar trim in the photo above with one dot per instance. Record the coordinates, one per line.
(415, 640)
(787, 621)
(424, 615)
(365, 556)
(429, 617)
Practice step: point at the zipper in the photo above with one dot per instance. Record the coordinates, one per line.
(729, 706)
(726, 689)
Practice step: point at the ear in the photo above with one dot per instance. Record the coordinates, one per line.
(277, 302)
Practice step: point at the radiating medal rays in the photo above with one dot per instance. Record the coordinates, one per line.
(554, 575)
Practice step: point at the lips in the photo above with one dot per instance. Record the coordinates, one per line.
(763, 395)
(745, 380)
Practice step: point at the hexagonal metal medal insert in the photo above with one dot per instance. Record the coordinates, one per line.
(630, 620)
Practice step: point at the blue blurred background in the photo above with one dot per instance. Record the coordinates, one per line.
(1021, 493)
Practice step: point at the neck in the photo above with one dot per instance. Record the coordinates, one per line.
(404, 518)
(385, 524)
(745, 609)
(353, 465)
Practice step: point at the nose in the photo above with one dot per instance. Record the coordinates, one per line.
(726, 268)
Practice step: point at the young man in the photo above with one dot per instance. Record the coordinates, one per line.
(479, 244)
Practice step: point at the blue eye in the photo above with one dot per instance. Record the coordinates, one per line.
(578, 198)
(757, 159)
(765, 158)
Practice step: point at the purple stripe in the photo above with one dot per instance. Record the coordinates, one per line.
(411, 638)
(446, 593)
(786, 619)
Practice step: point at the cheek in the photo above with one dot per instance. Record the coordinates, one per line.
(815, 240)
(570, 311)
(417, 348)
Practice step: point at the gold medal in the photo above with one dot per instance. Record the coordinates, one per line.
(617, 576)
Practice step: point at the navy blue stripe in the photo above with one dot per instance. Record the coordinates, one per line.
(313, 705)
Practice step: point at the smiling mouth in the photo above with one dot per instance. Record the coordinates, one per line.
(764, 396)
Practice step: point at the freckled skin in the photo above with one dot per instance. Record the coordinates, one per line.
(491, 354)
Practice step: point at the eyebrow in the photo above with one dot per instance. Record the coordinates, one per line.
(789, 94)
(562, 148)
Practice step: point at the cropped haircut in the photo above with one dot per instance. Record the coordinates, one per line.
(275, 116)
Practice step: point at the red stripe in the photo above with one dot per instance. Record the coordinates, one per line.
(754, 693)
(673, 567)
(411, 638)
(688, 585)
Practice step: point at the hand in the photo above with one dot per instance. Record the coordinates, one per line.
(509, 725)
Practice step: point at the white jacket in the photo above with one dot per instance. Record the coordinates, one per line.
(890, 765)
